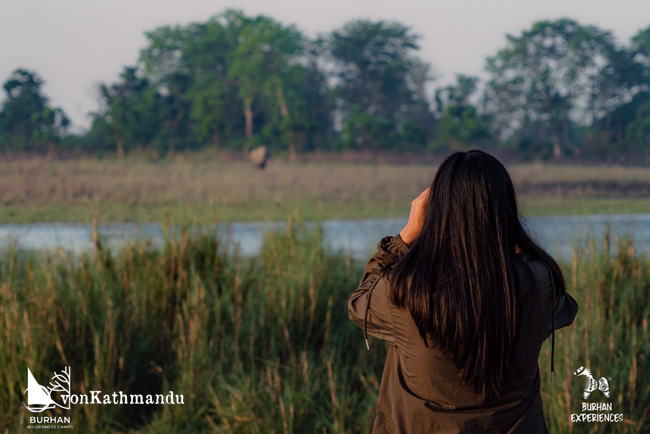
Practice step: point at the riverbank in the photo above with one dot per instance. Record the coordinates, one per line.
(204, 189)
(264, 344)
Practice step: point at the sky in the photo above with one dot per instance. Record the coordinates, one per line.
(76, 44)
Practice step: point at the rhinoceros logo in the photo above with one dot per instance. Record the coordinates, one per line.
(601, 384)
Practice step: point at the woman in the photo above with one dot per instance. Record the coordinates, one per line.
(465, 298)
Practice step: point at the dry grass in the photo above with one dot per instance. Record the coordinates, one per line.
(204, 189)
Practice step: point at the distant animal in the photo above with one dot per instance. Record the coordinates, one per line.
(260, 156)
(592, 384)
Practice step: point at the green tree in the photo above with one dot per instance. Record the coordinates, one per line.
(617, 94)
(234, 60)
(208, 110)
(373, 61)
(310, 93)
(132, 111)
(26, 119)
(378, 76)
(640, 48)
(204, 60)
(460, 124)
(189, 65)
(163, 55)
(555, 73)
(367, 131)
(458, 93)
(298, 126)
(637, 132)
(260, 65)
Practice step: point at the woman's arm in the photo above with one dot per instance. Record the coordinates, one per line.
(416, 218)
(369, 304)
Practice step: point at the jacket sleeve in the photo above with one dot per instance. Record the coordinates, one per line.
(379, 321)
(565, 308)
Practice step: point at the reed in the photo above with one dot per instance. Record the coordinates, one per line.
(610, 336)
(264, 344)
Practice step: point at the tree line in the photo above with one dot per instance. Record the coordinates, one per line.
(235, 81)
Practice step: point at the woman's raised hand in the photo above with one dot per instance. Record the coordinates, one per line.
(416, 218)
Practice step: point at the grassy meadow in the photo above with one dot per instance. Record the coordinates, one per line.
(204, 188)
(264, 345)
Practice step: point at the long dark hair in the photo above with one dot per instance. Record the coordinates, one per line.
(458, 279)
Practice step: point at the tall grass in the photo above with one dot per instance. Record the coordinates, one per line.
(610, 336)
(264, 344)
(259, 345)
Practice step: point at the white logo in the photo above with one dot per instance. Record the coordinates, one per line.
(602, 384)
(58, 394)
(39, 398)
(595, 411)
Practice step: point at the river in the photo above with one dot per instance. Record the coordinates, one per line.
(358, 238)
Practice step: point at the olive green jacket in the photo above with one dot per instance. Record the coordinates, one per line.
(421, 390)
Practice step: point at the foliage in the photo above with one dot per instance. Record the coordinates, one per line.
(373, 59)
(253, 345)
(556, 73)
(380, 82)
(559, 89)
(637, 132)
(460, 126)
(27, 122)
(264, 344)
(367, 131)
(132, 109)
(609, 336)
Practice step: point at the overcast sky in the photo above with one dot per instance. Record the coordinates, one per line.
(75, 44)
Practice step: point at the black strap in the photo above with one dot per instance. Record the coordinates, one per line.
(552, 321)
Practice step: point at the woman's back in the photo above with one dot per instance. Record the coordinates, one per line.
(421, 388)
(466, 297)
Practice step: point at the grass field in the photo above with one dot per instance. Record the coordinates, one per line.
(264, 345)
(205, 188)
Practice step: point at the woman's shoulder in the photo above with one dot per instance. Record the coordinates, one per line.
(535, 266)
(533, 275)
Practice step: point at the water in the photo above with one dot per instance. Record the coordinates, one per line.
(358, 238)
